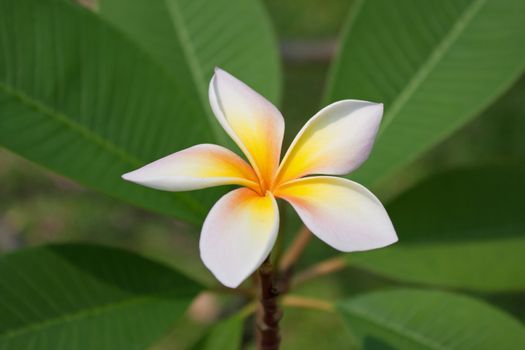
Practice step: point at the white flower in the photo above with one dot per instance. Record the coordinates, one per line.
(241, 228)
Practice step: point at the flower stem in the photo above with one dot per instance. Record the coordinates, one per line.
(269, 313)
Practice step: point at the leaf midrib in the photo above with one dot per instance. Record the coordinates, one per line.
(78, 128)
(404, 333)
(81, 314)
(193, 62)
(433, 59)
(86, 133)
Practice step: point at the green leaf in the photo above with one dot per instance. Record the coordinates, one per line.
(434, 64)
(416, 319)
(77, 296)
(226, 334)
(91, 102)
(464, 228)
(191, 37)
(301, 328)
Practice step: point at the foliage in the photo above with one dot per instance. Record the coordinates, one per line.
(123, 105)
(87, 297)
(413, 319)
(434, 65)
(462, 229)
(94, 94)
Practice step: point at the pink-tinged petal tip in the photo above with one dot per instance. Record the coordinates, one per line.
(340, 212)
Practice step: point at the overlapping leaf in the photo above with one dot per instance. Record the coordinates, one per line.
(463, 228)
(87, 297)
(225, 334)
(415, 319)
(91, 102)
(434, 64)
(192, 37)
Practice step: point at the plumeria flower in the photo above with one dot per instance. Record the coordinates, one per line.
(241, 228)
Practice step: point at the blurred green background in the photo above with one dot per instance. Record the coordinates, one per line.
(38, 207)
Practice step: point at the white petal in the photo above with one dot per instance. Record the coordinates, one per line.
(238, 235)
(251, 121)
(341, 212)
(196, 167)
(335, 141)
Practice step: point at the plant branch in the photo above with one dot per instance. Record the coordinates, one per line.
(321, 269)
(268, 314)
(307, 303)
(296, 249)
(291, 257)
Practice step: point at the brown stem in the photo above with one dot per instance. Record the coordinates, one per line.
(268, 314)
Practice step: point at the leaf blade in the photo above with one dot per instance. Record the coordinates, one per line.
(434, 64)
(460, 229)
(235, 35)
(85, 296)
(225, 334)
(418, 319)
(60, 112)
(87, 100)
